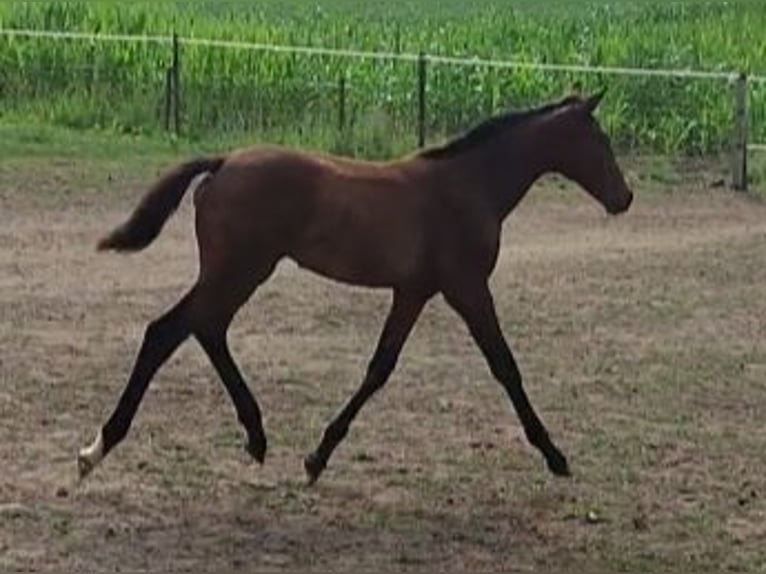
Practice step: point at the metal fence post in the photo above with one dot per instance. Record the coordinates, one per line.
(739, 147)
(422, 61)
(342, 104)
(176, 72)
(168, 98)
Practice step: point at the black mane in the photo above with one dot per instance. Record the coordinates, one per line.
(488, 129)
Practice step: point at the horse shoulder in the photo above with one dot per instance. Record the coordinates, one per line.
(468, 236)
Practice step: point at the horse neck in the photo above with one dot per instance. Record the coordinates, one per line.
(505, 167)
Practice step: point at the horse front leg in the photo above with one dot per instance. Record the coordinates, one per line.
(475, 305)
(405, 310)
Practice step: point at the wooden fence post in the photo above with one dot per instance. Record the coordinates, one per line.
(739, 147)
(422, 62)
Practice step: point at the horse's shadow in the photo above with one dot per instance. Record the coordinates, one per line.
(341, 526)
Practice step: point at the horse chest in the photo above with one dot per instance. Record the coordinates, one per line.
(469, 245)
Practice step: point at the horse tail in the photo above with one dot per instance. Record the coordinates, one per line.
(157, 205)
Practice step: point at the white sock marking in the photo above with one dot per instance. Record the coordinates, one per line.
(89, 457)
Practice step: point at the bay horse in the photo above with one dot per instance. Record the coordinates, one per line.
(420, 225)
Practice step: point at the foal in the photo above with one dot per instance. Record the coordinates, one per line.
(425, 224)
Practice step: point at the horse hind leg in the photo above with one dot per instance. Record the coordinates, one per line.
(162, 337)
(216, 347)
(221, 297)
(206, 312)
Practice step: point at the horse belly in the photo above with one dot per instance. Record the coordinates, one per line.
(360, 257)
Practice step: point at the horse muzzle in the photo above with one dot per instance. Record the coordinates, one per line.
(617, 208)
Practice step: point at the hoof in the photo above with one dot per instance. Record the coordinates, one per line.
(84, 466)
(314, 466)
(89, 457)
(557, 464)
(257, 449)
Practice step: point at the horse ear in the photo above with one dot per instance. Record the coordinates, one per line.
(592, 102)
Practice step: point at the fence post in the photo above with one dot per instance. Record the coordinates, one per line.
(342, 104)
(168, 97)
(739, 147)
(176, 72)
(422, 61)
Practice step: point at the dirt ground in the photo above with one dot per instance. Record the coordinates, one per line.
(642, 341)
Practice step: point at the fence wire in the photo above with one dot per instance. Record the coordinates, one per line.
(339, 93)
(376, 55)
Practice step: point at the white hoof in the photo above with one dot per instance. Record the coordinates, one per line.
(89, 457)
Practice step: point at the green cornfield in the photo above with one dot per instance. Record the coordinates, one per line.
(371, 106)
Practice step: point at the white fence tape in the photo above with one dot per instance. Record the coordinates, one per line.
(59, 35)
(372, 55)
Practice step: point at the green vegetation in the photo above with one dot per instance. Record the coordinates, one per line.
(296, 98)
